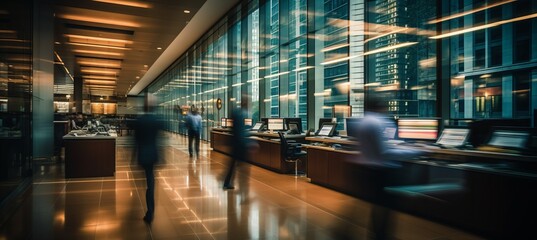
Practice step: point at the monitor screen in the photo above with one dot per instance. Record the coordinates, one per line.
(453, 137)
(229, 122)
(420, 129)
(296, 121)
(248, 122)
(389, 132)
(223, 122)
(509, 139)
(326, 129)
(293, 126)
(326, 120)
(351, 125)
(276, 124)
(257, 126)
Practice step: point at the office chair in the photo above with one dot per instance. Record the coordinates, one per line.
(291, 151)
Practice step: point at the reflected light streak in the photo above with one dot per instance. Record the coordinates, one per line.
(469, 12)
(490, 25)
(401, 45)
(276, 75)
(303, 68)
(338, 60)
(334, 47)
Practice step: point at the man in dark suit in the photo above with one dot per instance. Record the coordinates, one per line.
(147, 129)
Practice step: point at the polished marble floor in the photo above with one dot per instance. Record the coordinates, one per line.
(190, 204)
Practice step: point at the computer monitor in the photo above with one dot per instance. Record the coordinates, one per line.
(229, 122)
(257, 126)
(223, 122)
(509, 139)
(326, 120)
(417, 129)
(276, 124)
(296, 121)
(453, 137)
(327, 129)
(248, 122)
(351, 126)
(389, 132)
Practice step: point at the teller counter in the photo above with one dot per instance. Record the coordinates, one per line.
(90, 155)
(488, 193)
(268, 154)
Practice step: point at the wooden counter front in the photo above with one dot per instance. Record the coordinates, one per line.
(89, 156)
(268, 154)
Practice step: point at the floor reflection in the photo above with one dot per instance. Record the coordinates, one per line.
(190, 204)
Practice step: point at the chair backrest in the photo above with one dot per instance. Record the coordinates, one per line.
(284, 146)
(308, 133)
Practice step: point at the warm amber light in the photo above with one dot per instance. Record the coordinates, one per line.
(99, 64)
(108, 72)
(99, 20)
(390, 48)
(99, 77)
(97, 52)
(494, 24)
(126, 3)
(100, 82)
(99, 38)
(97, 45)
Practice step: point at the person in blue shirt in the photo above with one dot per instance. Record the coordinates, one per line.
(193, 124)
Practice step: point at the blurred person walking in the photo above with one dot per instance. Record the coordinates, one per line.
(147, 129)
(193, 124)
(240, 145)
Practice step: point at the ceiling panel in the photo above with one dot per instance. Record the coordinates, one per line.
(111, 40)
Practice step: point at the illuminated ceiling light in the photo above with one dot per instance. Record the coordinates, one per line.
(83, 37)
(237, 84)
(126, 3)
(100, 82)
(97, 45)
(137, 77)
(7, 31)
(159, 48)
(186, 11)
(97, 52)
(109, 21)
(145, 65)
(266, 100)
(338, 60)
(469, 12)
(99, 64)
(12, 40)
(490, 25)
(99, 77)
(334, 47)
(485, 76)
(401, 45)
(106, 72)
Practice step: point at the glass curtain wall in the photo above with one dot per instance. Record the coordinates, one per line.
(493, 58)
(463, 59)
(16, 56)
